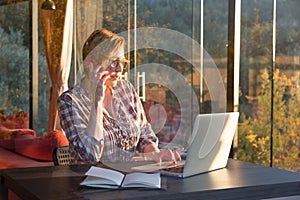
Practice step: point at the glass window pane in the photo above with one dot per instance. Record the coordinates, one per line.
(286, 87)
(255, 86)
(161, 25)
(44, 84)
(15, 33)
(269, 96)
(115, 15)
(215, 31)
(270, 91)
(169, 51)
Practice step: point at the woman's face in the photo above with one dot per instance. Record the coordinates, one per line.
(113, 65)
(115, 69)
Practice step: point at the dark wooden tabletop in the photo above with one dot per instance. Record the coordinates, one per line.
(239, 180)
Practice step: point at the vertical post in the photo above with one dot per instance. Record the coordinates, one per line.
(201, 53)
(233, 60)
(192, 68)
(3, 189)
(230, 55)
(134, 43)
(141, 76)
(75, 49)
(272, 81)
(237, 50)
(128, 37)
(34, 65)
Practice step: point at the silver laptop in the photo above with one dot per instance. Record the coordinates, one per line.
(209, 149)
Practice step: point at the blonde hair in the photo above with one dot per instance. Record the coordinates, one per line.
(107, 44)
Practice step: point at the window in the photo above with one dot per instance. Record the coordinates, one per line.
(15, 57)
(178, 67)
(17, 74)
(179, 55)
(269, 84)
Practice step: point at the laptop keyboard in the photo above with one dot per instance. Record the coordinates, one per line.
(158, 166)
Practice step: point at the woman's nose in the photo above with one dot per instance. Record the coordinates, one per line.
(119, 67)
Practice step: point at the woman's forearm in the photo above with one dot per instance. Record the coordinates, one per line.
(152, 147)
(95, 125)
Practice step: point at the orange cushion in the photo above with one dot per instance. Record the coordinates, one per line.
(41, 148)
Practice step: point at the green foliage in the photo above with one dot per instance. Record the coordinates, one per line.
(14, 79)
(18, 15)
(15, 76)
(255, 131)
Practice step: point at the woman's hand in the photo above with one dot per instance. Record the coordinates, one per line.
(158, 155)
(167, 155)
(100, 85)
(97, 78)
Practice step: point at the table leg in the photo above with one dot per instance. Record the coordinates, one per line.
(3, 190)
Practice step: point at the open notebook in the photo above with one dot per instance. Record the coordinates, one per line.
(209, 149)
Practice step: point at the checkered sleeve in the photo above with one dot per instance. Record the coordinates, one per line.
(74, 119)
(147, 135)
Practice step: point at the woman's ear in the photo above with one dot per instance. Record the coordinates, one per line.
(88, 60)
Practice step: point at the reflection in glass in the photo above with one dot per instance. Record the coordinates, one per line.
(268, 132)
(14, 55)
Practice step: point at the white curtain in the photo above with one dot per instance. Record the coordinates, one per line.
(66, 55)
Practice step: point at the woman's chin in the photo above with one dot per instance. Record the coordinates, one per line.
(112, 83)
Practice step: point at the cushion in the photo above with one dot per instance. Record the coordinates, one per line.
(7, 136)
(41, 148)
(18, 120)
(10, 159)
(13, 126)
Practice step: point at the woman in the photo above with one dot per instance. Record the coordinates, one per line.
(102, 115)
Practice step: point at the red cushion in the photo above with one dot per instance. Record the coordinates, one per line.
(6, 133)
(41, 148)
(12, 127)
(18, 120)
(7, 136)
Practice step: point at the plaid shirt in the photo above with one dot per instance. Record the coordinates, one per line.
(123, 136)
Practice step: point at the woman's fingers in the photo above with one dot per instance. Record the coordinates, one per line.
(103, 76)
(98, 68)
(177, 155)
(99, 84)
(179, 150)
(167, 154)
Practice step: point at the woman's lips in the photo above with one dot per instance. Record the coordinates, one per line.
(115, 76)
